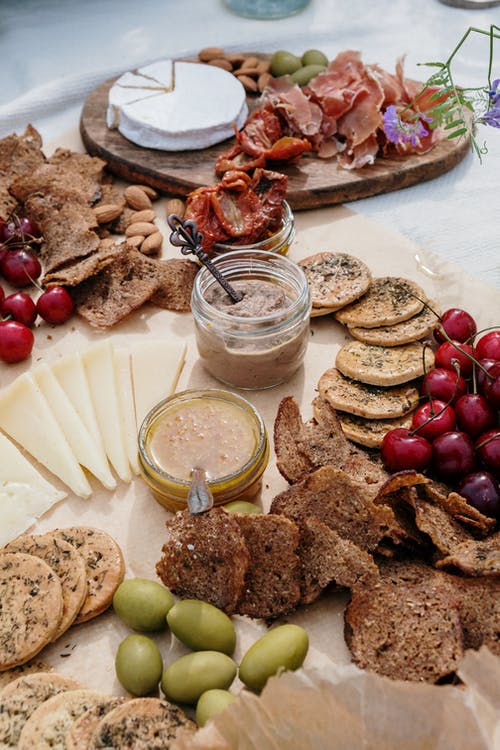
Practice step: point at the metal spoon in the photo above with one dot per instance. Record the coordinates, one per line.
(199, 498)
(185, 235)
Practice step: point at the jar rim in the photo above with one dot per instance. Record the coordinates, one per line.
(216, 393)
(286, 226)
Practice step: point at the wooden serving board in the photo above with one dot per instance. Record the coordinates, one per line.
(313, 182)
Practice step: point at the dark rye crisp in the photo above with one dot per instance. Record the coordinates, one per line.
(335, 279)
(458, 507)
(271, 587)
(389, 300)
(20, 155)
(474, 557)
(76, 273)
(176, 278)
(479, 607)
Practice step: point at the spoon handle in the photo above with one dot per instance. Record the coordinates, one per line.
(199, 499)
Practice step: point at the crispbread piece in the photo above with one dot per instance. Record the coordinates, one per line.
(142, 724)
(382, 365)
(479, 606)
(335, 279)
(80, 733)
(407, 625)
(74, 274)
(370, 432)
(104, 565)
(290, 462)
(416, 328)
(474, 557)
(47, 727)
(205, 557)
(123, 286)
(389, 300)
(31, 607)
(326, 557)
(19, 155)
(404, 478)
(458, 507)
(68, 230)
(66, 562)
(342, 503)
(176, 277)
(272, 579)
(368, 401)
(22, 697)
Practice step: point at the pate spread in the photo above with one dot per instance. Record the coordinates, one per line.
(210, 433)
(260, 347)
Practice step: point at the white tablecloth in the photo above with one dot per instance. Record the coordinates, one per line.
(55, 51)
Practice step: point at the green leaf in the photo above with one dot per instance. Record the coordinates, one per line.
(454, 124)
(435, 64)
(457, 133)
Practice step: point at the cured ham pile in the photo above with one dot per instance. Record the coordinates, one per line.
(339, 113)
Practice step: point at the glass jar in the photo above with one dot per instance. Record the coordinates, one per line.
(266, 8)
(261, 341)
(279, 242)
(217, 430)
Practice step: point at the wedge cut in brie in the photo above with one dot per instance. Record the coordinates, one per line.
(176, 106)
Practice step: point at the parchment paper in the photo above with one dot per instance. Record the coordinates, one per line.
(136, 520)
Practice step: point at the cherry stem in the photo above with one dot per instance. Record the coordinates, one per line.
(488, 440)
(466, 354)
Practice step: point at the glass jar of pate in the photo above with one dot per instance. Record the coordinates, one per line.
(278, 242)
(212, 429)
(260, 341)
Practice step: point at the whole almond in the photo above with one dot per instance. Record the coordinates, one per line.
(264, 66)
(250, 62)
(263, 80)
(220, 62)
(210, 53)
(106, 242)
(248, 83)
(255, 71)
(140, 227)
(175, 206)
(136, 198)
(150, 192)
(235, 58)
(152, 244)
(107, 212)
(136, 240)
(147, 215)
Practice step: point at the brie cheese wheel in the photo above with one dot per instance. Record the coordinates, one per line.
(176, 106)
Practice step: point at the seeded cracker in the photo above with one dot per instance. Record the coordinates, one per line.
(416, 328)
(335, 279)
(81, 732)
(389, 300)
(370, 432)
(384, 366)
(32, 606)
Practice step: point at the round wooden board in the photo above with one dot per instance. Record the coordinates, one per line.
(312, 182)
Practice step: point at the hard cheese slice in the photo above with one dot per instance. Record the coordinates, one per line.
(177, 106)
(26, 416)
(70, 373)
(100, 370)
(24, 494)
(127, 407)
(156, 367)
(87, 452)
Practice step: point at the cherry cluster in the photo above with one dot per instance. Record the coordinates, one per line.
(455, 433)
(20, 267)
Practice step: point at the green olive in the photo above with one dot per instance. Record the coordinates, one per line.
(188, 677)
(283, 63)
(242, 506)
(142, 604)
(302, 76)
(283, 647)
(201, 626)
(314, 57)
(138, 664)
(212, 702)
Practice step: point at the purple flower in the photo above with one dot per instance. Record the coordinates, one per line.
(492, 117)
(494, 93)
(400, 131)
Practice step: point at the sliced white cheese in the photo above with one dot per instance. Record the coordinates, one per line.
(176, 106)
(156, 367)
(86, 450)
(24, 494)
(70, 373)
(127, 405)
(26, 416)
(98, 361)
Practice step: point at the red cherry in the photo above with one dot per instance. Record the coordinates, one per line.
(481, 490)
(442, 384)
(433, 419)
(20, 267)
(481, 377)
(475, 414)
(491, 389)
(453, 455)
(55, 305)
(20, 230)
(2, 295)
(21, 307)
(457, 324)
(488, 346)
(16, 341)
(402, 450)
(488, 450)
(448, 352)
